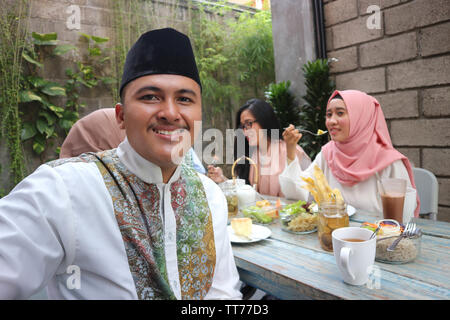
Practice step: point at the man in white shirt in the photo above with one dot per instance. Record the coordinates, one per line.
(126, 223)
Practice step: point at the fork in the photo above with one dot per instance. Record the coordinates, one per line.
(307, 131)
(409, 231)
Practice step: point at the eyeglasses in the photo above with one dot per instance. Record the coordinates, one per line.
(247, 125)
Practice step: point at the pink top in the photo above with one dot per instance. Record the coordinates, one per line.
(272, 165)
(368, 148)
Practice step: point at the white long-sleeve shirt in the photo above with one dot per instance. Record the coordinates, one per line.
(58, 229)
(363, 195)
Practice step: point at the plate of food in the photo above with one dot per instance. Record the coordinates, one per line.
(242, 230)
(298, 218)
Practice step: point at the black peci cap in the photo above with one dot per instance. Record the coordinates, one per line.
(161, 51)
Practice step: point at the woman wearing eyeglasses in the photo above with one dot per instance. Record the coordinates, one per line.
(260, 138)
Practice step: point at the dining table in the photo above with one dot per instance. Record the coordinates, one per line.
(294, 266)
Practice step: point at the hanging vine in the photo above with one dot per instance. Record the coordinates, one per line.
(13, 30)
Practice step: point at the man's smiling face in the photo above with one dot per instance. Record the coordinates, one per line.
(159, 110)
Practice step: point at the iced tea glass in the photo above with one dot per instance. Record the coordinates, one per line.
(332, 216)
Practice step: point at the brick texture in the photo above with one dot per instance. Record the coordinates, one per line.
(444, 191)
(443, 214)
(370, 81)
(387, 50)
(421, 132)
(436, 102)
(417, 13)
(347, 60)
(413, 154)
(434, 160)
(419, 73)
(354, 31)
(339, 11)
(402, 104)
(382, 4)
(435, 39)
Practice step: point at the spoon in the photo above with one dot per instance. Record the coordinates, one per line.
(409, 232)
(307, 131)
(375, 233)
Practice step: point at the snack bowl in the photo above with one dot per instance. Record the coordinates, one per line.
(407, 250)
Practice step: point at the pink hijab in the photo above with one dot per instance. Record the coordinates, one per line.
(368, 148)
(95, 132)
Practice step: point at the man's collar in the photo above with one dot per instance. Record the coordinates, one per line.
(142, 168)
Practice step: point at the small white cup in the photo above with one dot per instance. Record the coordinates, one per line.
(354, 259)
(409, 205)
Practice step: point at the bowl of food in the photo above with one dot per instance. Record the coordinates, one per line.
(407, 250)
(298, 218)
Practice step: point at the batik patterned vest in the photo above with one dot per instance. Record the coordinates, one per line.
(137, 210)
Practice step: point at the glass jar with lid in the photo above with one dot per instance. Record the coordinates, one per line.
(229, 189)
(332, 216)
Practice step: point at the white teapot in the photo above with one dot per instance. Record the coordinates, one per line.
(246, 195)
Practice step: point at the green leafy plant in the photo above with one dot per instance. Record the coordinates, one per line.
(283, 102)
(253, 46)
(319, 88)
(88, 73)
(41, 93)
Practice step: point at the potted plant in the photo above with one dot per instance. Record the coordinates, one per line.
(319, 88)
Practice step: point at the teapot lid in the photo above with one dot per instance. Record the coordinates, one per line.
(246, 187)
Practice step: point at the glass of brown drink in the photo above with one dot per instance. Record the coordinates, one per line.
(332, 216)
(392, 193)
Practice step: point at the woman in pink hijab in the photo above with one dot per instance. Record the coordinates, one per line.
(95, 132)
(360, 147)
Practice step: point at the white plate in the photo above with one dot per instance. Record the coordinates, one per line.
(258, 233)
(350, 210)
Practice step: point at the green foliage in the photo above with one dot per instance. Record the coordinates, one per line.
(40, 92)
(253, 44)
(12, 44)
(233, 49)
(319, 88)
(283, 102)
(235, 57)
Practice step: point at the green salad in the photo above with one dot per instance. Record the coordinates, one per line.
(256, 214)
(296, 208)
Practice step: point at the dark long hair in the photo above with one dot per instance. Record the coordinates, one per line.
(267, 119)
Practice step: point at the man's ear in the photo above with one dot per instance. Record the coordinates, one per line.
(120, 115)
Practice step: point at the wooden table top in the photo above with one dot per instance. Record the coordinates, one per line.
(291, 266)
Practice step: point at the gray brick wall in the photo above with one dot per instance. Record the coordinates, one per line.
(405, 64)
